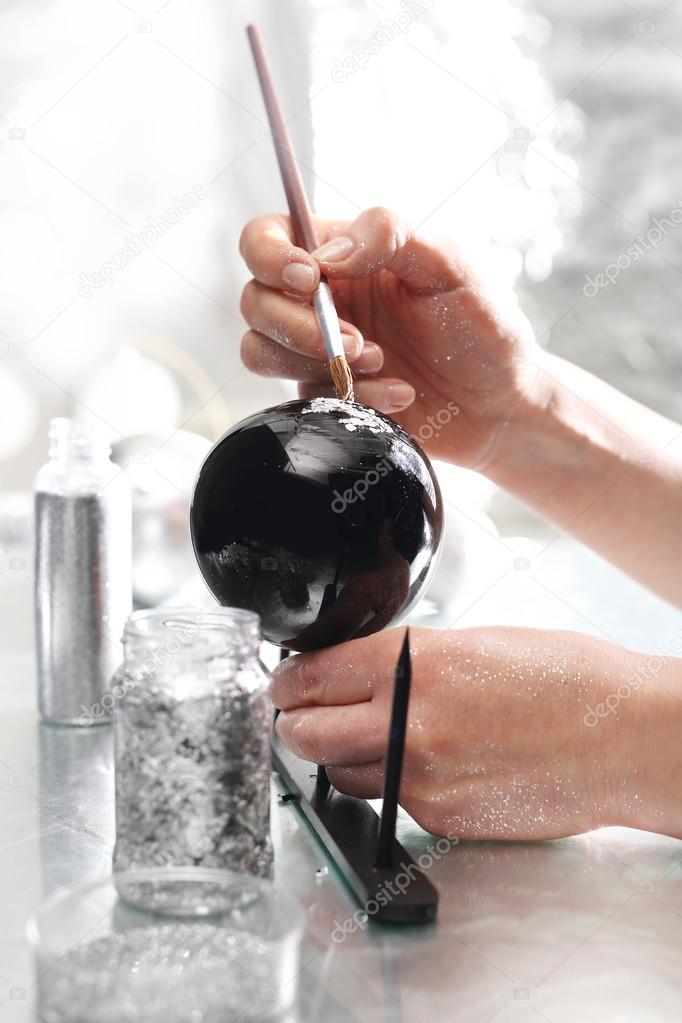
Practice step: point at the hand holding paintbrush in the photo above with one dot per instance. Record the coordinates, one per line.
(442, 354)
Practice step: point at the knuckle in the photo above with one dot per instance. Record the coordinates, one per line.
(308, 678)
(428, 818)
(339, 779)
(298, 327)
(277, 688)
(387, 224)
(247, 303)
(420, 743)
(249, 350)
(382, 216)
(307, 739)
(245, 238)
(479, 313)
(345, 779)
(304, 326)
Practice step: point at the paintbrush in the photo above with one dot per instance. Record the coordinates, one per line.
(301, 218)
(394, 755)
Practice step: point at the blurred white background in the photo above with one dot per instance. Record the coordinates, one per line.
(133, 147)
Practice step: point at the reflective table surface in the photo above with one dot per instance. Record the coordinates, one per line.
(585, 929)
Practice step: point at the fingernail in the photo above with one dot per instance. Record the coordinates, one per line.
(298, 277)
(399, 396)
(352, 345)
(370, 360)
(335, 250)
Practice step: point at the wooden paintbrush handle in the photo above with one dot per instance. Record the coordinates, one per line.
(299, 207)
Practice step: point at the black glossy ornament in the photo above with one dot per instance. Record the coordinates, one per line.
(323, 516)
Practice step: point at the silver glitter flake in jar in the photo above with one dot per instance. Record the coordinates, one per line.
(192, 724)
(83, 589)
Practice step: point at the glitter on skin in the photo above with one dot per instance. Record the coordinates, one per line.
(477, 761)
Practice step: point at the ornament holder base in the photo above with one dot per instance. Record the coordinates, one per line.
(362, 845)
(348, 828)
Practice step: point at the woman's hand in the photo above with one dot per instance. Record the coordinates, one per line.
(507, 735)
(440, 355)
(460, 370)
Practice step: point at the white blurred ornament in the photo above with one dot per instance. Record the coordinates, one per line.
(18, 414)
(473, 556)
(133, 393)
(162, 472)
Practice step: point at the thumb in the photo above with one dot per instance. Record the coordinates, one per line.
(379, 239)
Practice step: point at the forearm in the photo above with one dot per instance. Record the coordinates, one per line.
(602, 467)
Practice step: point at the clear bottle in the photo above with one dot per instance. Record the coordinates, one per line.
(192, 724)
(83, 591)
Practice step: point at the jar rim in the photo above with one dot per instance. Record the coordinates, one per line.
(148, 621)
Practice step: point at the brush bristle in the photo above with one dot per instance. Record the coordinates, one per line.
(342, 378)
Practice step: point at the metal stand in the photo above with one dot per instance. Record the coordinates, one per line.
(382, 875)
(348, 828)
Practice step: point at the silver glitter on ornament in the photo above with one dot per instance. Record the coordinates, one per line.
(192, 747)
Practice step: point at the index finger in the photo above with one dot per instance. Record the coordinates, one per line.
(268, 249)
(351, 672)
(318, 679)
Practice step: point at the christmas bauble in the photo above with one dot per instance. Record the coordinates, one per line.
(322, 516)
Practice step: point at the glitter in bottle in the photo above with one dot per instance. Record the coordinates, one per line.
(82, 574)
(192, 744)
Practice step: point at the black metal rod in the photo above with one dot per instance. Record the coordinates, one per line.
(394, 755)
(323, 782)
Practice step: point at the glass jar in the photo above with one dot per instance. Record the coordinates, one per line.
(235, 955)
(192, 725)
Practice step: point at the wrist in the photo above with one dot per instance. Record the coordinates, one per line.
(647, 794)
(537, 426)
(502, 434)
(556, 436)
